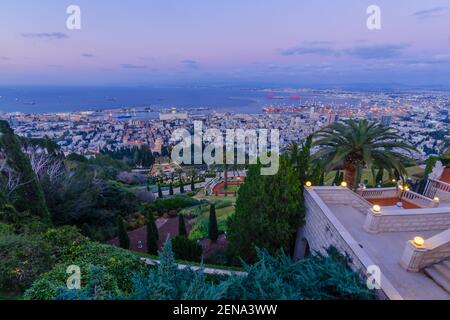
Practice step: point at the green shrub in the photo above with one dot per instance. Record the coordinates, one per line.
(171, 203)
(191, 193)
(118, 265)
(271, 278)
(199, 230)
(47, 286)
(220, 204)
(5, 229)
(22, 259)
(185, 249)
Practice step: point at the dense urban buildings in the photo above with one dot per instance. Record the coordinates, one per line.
(421, 118)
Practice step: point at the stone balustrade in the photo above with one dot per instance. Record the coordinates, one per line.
(418, 199)
(434, 250)
(378, 193)
(392, 220)
(437, 188)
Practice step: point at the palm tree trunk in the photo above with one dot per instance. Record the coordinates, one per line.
(350, 173)
(358, 174)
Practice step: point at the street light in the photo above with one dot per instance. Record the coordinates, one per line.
(376, 208)
(419, 242)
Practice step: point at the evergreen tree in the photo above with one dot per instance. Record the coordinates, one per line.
(152, 235)
(171, 189)
(336, 178)
(136, 158)
(341, 178)
(30, 196)
(322, 179)
(379, 177)
(181, 226)
(181, 186)
(269, 210)
(124, 240)
(192, 184)
(213, 230)
(160, 193)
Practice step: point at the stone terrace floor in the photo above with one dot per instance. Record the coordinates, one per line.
(385, 250)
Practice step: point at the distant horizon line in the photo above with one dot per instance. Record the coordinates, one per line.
(248, 85)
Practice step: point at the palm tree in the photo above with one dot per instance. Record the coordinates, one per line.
(358, 144)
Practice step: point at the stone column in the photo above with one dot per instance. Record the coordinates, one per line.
(372, 223)
(412, 257)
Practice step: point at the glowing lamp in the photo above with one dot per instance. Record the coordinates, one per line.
(394, 181)
(406, 188)
(419, 242)
(436, 199)
(376, 208)
(308, 184)
(344, 184)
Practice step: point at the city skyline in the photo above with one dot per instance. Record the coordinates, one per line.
(170, 42)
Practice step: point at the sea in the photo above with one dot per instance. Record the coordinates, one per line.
(38, 99)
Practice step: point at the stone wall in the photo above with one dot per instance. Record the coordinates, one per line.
(408, 220)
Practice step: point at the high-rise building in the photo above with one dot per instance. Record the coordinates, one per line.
(386, 121)
(332, 118)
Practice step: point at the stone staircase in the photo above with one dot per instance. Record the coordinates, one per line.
(440, 273)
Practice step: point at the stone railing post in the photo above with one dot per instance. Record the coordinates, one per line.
(372, 222)
(412, 257)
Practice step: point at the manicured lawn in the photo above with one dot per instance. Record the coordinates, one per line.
(233, 188)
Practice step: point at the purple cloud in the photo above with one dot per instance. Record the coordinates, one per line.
(46, 35)
(431, 13)
(191, 64)
(132, 66)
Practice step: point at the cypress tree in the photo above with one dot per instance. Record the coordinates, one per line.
(124, 240)
(213, 230)
(269, 210)
(171, 189)
(341, 178)
(192, 184)
(152, 235)
(181, 226)
(30, 196)
(160, 194)
(322, 179)
(336, 178)
(379, 177)
(181, 186)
